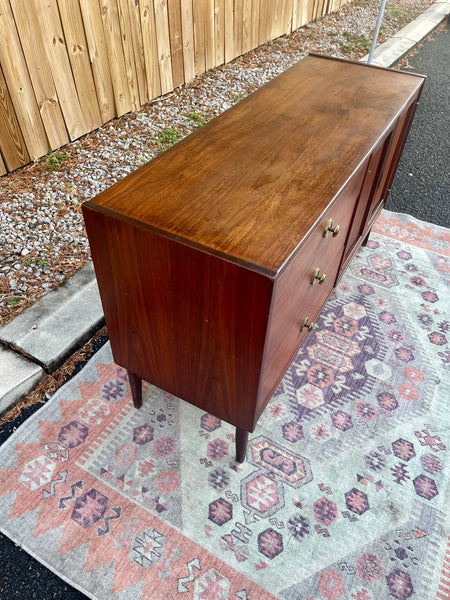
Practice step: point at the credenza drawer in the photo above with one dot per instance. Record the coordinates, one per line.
(305, 284)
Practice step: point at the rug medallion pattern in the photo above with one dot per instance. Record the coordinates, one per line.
(345, 489)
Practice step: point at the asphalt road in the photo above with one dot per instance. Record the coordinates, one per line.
(421, 187)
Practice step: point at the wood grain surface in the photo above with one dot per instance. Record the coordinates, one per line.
(251, 184)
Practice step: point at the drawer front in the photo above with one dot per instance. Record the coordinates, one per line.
(304, 286)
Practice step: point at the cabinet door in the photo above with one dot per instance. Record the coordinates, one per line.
(359, 182)
(382, 166)
(368, 183)
(371, 195)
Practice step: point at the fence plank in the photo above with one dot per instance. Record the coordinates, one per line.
(296, 14)
(19, 85)
(302, 14)
(311, 4)
(58, 60)
(99, 58)
(247, 18)
(150, 50)
(238, 32)
(287, 16)
(199, 36)
(2, 166)
(138, 48)
(176, 42)
(279, 19)
(12, 144)
(273, 20)
(254, 24)
(187, 25)
(163, 45)
(210, 50)
(264, 21)
(315, 9)
(230, 47)
(111, 29)
(72, 23)
(128, 53)
(40, 73)
(219, 29)
(319, 8)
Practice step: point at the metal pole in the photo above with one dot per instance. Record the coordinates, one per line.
(377, 31)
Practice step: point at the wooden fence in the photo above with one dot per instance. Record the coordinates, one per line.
(68, 66)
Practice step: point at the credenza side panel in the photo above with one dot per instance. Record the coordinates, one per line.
(190, 323)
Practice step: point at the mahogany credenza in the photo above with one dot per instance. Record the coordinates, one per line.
(214, 259)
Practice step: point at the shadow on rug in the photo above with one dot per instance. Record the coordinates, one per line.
(344, 493)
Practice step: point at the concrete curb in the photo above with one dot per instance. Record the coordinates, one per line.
(19, 376)
(48, 332)
(397, 46)
(43, 336)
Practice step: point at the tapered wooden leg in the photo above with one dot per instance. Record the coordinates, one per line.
(241, 444)
(136, 388)
(366, 239)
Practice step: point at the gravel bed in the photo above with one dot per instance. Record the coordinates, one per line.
(42, 235)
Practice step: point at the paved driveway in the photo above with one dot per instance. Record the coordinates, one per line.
(422, 184)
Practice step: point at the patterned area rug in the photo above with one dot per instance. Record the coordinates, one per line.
(345, 490)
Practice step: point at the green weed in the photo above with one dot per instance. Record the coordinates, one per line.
(167, 138)
(356, 43)
(13, 302)
(199, 118)
(39, 262)
(237, 97)
(53, 159)
(402, 16)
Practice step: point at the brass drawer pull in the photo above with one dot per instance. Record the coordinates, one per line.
(306, 324)
(318, 277)
(330, 229)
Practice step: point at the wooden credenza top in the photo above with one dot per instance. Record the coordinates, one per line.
(252, 183)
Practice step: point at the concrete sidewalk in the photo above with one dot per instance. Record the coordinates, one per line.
(42, 337)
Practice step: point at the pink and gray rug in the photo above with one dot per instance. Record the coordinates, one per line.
(345, 490)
